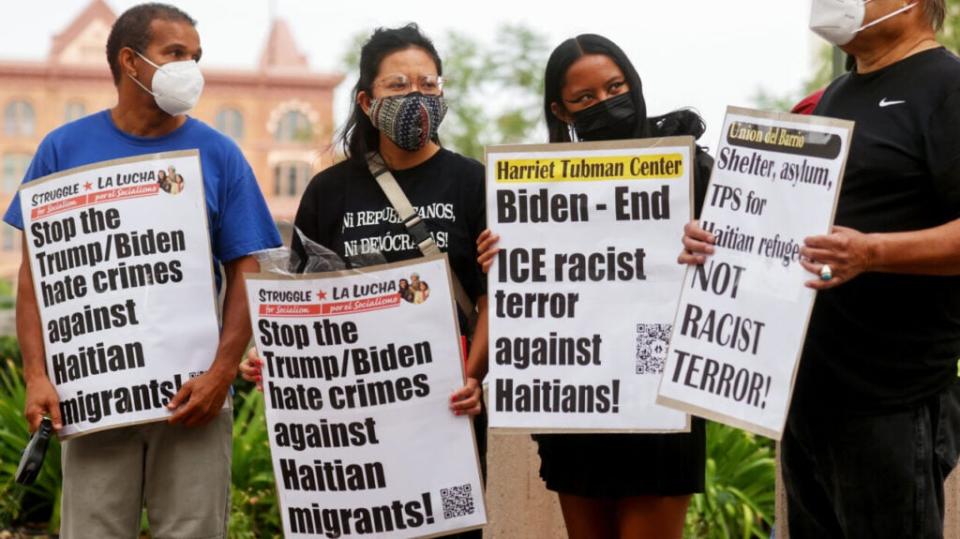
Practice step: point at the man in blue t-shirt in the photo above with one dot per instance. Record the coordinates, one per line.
(180, 468)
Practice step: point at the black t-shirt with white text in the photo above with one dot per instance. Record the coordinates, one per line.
(345, 210)
(885, 341)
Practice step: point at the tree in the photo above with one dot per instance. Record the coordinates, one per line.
(822, 76)
(950, 35)
(495, 89)
(496, 93)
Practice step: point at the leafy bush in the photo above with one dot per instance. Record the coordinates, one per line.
(9, 348)
(40, 501)
(739, 497)
(8, 294)
(254, 512)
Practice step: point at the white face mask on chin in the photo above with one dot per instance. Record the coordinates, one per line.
(839, 21)
(176, 85)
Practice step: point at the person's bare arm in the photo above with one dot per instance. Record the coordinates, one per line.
(932, 251)
(697, 244)
(487, 249)
(42, 397)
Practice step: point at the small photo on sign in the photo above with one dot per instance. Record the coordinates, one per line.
(413, 290)
(170, 181)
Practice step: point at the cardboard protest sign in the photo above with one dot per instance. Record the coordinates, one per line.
(742, 318)
(123, 276)
(585, 286)
(359, 366)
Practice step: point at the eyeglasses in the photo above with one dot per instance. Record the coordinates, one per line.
(399, 83)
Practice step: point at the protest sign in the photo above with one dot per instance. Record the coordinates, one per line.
(742, 317)
(584, 288)
(359, 367)
(123, 276)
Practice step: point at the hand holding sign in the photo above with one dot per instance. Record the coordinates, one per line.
(467, 400)
(487, 249)
(200, 400)
(697, 243)
(847, 251)
(251, 369)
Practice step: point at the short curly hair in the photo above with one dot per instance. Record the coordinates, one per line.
(132, 29)
(936, 12)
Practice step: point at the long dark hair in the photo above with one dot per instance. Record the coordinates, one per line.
(358, 135)
(679, 122)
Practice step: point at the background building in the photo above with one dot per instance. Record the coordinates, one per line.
(281, 113)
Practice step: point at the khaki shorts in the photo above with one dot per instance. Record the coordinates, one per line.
(181, 475)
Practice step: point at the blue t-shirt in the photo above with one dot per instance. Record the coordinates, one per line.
(239, 220)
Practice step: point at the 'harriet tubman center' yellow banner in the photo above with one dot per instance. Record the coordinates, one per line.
(601, 168)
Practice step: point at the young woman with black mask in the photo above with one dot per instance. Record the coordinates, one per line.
(614, 485)
(398, 106)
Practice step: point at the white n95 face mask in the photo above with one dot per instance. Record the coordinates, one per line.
(839, 21)
(176, 85)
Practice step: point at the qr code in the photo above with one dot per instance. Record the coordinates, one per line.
(457, 501)
(652, 340)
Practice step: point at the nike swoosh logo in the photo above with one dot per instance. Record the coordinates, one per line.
(885, 103)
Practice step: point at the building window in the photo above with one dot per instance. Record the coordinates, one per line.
(294, 126)
(230, 123)
(9, 240)
(290, 178)
(74, 111)
(14, 167)
(19, 119)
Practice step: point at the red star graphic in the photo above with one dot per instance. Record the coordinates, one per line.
(88, 186)
(321, 295)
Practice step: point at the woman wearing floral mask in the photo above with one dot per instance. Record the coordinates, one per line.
(398, 106)
(614, 485)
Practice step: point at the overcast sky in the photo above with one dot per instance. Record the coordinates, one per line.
(702, 53)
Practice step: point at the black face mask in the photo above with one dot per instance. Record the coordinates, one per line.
(611, 119)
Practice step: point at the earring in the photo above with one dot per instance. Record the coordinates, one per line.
(572, 132)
